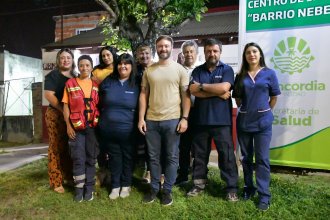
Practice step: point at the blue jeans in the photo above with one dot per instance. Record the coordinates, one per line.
(257, 143)
(163, 134)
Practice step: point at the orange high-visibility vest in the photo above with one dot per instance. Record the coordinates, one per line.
(81, 108)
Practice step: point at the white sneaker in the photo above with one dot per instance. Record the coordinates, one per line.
(125, 192)
(114, 193)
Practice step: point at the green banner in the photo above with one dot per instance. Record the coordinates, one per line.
(281, 14)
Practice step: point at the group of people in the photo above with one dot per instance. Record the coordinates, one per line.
(174, 110)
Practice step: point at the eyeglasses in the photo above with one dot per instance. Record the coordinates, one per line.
(65, 50)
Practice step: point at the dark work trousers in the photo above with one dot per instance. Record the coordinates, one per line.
(141, 143)
(223, 140)
(84, 151)
(102, 158)
(120, 145)
(185, 151)
(258, 143)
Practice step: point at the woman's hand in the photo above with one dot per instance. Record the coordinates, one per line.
(71, 132)
(142, 127)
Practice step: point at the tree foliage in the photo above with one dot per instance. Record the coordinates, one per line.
(132, 22)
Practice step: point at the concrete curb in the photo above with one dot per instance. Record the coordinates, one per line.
(24, 147)
(14, 149)
(19, 163)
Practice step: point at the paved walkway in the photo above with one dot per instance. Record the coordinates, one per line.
(14, 157)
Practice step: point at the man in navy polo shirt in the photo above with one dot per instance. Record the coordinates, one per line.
(211, 84)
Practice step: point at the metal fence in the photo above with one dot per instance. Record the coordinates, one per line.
(16, 97)
(15, 100)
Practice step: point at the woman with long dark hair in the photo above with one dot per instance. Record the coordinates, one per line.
(255, 90)
(107, 59)
(119, 94)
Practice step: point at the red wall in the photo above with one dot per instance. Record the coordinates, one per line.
(234, 130)
(44, 127)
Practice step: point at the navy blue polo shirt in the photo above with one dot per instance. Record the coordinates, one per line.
(118, 105)
(213, 110)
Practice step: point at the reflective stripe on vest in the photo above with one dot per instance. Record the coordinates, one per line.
(76, 124)
(74, 89)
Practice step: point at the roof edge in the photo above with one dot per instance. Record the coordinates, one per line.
(84, 14)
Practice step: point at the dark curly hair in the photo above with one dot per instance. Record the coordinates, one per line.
(126, 58)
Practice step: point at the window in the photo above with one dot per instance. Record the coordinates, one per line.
(82, 30)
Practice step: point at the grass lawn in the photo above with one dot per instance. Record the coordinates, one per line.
(24, 194)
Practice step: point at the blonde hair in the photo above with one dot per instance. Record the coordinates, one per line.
(58, 55)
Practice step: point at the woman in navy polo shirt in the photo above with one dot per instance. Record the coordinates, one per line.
(119, 94)
(255, 91)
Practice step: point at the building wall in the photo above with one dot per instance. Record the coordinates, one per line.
(37, 112)
(19, 73)
(17, 66)
(71, 23)
(2, 86)
(2, 67)
(17, 129)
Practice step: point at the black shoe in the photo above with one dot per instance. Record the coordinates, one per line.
(248, 194)
(195, 191)
(88, 195)
(262, 206)
(166, 198)
(78, 194)
(150, 197)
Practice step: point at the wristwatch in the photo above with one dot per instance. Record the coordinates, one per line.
(201, 87)
(185, 118)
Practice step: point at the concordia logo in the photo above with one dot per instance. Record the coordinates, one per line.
(292, 55)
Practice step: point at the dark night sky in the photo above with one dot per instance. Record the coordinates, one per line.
(26, 25)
